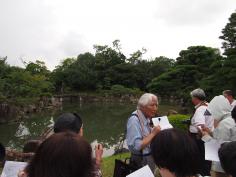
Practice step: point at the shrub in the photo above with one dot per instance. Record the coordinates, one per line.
(176, 121)
(119, 90)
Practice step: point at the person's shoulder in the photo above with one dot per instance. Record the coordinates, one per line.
(201, 109)
(133, 117)
(227, 122)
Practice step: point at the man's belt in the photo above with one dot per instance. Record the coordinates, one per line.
(141, 155)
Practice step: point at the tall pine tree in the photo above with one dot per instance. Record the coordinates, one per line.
(229, 37)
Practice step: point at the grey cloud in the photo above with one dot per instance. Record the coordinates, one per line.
(194, 12)
(26, 29)
(73, 44)
(48, 30)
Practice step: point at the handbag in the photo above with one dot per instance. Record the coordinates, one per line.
(123, 168)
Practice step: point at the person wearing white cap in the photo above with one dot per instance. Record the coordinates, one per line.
(224, 131)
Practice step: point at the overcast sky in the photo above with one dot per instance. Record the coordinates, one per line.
(51, 30)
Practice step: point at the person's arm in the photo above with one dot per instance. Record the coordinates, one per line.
(135, 140)
(147, 140)
(98, 161)
(10, 153)
(221, 132)
(98, 155)
(216, 122)
(206, 134)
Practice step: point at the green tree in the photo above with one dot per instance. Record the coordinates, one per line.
(106, 58)
(82, 73)
(200, 56)
(37, 67)
(137, 56)
(223, 74)
(21, 83)
(160, 65)
(4, 67)
(190, 68)
(229, 36)
(60, 75)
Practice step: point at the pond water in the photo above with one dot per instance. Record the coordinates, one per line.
(103, 123)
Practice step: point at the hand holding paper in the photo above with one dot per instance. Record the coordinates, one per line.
(163, 122)
(211, 150)
(145, 171)
(12, 168)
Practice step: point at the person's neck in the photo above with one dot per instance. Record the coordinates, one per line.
(166, 173)
(199, 104)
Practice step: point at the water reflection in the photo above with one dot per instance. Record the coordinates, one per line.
(22, 131)
(103, 123)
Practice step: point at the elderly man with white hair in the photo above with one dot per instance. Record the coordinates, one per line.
(201, 118)
(140, 133)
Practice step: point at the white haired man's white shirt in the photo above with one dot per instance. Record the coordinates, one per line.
(201, 117)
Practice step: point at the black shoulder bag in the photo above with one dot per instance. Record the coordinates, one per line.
(124, 167)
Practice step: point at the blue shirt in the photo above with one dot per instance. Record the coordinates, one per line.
(135, 135)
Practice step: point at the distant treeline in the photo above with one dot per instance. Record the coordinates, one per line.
(110, 70)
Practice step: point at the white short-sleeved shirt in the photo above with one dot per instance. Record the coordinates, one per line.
(201, 117)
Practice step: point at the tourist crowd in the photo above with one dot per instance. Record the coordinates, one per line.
(168, 152)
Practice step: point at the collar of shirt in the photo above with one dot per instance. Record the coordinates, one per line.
(200, 104)
(197, 105)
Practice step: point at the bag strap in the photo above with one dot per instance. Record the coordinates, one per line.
(142, 126)
(121, 144)
(204, 103)
(141, 123)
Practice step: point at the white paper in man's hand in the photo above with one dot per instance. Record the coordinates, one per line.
(12, 168)
(211, 150)
(163, 122)
(145, 171)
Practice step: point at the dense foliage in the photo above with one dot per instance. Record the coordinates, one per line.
(201, 66)
(33, 81)
(109, 69)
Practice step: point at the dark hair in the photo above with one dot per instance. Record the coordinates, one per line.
(31, 146)
(233, 113)
(228, 92)
(68, 122)
(175, 150)
(227, 155)
(2, 152)
(62, 154)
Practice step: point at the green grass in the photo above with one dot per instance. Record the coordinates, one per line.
(108, 164)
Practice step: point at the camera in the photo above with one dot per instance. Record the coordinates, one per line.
(186, 121)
